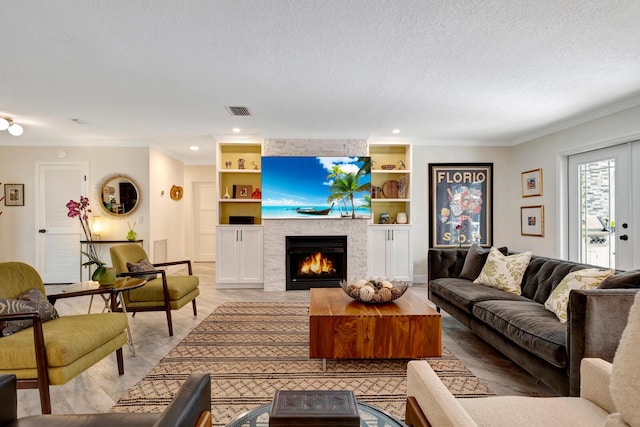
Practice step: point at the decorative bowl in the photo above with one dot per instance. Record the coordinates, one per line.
(388, 167)
(374, 291)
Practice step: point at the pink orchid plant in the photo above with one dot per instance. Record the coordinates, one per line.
(81, 211)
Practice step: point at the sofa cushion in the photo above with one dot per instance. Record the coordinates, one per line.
(475, 259)
(504, 272)
(143, 265)
(625, 376)
(626, 280)
(28, 301)
(527, 324)
(589, 278)
(464, 294)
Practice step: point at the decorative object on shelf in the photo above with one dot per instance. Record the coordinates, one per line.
(460, 194)
(384, 218)
(402, 165)
(13, 195)
(176, 192)
(401, 218)
(531, 183)
(242, 191)
(257, 194)
(228, 164)
(240, 163)
(388, 167)
(532, 221)
(131, 234)
(376, 192)
(390, 189)
(255, 165)
(226, 193)
(403, 186)
(374, 291)
(81, 211)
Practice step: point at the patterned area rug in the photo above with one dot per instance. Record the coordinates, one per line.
(252, 349)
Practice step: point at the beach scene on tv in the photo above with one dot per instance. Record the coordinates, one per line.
(316, 187)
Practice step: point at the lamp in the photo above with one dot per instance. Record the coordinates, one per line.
(97, 226)
(6, 123)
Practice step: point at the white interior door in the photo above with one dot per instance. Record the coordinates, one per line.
(204, 222)
(600, 202)
(58, 237)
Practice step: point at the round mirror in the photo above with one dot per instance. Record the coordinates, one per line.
(118, 194)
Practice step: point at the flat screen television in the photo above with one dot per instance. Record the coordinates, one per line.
(316, 187)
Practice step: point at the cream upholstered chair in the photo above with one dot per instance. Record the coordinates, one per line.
(57, 350)
(162, 293)
(609, 395)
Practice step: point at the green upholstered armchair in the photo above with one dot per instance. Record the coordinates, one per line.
(164, 293)
(55, 351)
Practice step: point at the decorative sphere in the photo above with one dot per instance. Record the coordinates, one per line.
(366, 293)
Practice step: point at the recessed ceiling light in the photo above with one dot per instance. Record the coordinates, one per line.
(194, 148)
(236, 130)
(396, 131)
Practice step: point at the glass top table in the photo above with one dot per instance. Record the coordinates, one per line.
(370, 416)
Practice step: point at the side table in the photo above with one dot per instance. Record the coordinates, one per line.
(114, 291)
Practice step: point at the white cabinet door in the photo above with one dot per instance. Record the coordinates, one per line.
(239, 255)
(377, 256)
(250, 254)
(399, 254)
(226, 254)
(390, 252)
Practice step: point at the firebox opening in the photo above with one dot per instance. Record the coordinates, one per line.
(315, 261)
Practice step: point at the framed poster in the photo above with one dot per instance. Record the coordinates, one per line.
(531, 183)
(532, 221)
(14, 194)
(460, 204)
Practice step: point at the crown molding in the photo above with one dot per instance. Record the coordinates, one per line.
(615, 107)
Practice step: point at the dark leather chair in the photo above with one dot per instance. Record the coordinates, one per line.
(190, 408)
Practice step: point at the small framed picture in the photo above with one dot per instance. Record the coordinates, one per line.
(532, 183)
(14, 194)
(532, 221)
(243, 191)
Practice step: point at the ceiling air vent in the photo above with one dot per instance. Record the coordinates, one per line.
(238, 111)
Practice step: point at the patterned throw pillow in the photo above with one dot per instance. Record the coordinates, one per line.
(588, 278)
(31, 300)
(504, 272)
(143, 265)
(475, 259)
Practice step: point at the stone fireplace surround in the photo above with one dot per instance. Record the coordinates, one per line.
(276, 230)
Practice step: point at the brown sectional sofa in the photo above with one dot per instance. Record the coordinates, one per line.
(522, 329)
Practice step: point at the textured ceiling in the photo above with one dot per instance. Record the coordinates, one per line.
(161, 72)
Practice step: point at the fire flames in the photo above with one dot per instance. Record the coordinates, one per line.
(316, 263)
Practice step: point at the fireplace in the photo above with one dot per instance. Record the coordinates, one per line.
(315, 261)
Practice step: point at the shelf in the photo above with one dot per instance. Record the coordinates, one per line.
(240, 200)
(381, 200)
(240, 171)
(390, 171)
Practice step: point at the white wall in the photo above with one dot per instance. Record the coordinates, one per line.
(550, 153)
(18, 166)
(167, 217)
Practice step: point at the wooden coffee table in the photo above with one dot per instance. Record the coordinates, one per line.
(343, 328)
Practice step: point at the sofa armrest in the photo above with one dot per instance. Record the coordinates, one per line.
(596, 375)
(193, 398)
(597, 318)
(9, 399)
(438, 405)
